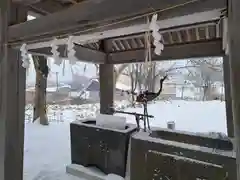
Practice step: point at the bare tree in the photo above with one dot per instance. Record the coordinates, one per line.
(205, 73)
(118, 71)
(133, 72)
(150, 78)
(139, 77)
(142, 76)
(147, 76)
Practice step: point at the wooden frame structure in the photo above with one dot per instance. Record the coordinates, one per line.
(113, 33)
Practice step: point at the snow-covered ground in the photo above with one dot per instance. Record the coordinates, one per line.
(193, 116)
(47, 148)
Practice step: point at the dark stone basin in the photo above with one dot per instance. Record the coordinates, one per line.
(174, 167)
(195, 139)
(103, 148)
(145, 161)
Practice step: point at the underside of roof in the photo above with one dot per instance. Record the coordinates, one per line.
(44, 7)
(191, 29)
(181, 35)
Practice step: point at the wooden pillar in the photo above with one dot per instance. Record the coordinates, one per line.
(41, 68)
(106, 79)
(234, 59)
(12, 98)
(228, 97)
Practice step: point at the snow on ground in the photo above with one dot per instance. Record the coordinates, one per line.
(47, 152)
(193, 116)
(47, 148)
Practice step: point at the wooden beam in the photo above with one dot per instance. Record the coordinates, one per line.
(82, 53)
(12, 99)
(228, 96)
(172, 24)
(47, 7)
(25, 2)
(171, 52)
(90, 14)
(234, 56)
(17, 13)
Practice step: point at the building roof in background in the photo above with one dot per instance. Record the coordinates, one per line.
(93, 85)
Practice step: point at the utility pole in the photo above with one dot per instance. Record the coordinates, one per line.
(57, 81)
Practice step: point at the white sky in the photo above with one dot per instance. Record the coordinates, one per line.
(29, 17)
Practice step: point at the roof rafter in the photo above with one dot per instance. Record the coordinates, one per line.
(209, 48)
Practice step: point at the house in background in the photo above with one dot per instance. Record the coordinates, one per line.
(92, 90)
(60, 92)
(81, 90)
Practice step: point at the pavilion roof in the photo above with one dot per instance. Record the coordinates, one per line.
(191, 32)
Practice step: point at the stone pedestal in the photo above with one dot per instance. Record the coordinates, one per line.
(167, 166)
(145, 159)
(103, 148)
